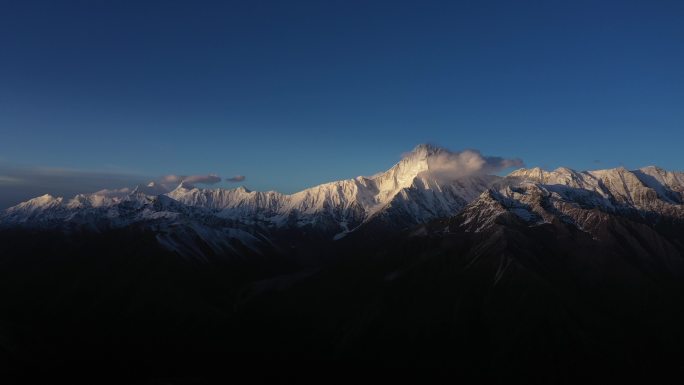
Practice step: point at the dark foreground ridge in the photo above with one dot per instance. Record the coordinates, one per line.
(514, 303)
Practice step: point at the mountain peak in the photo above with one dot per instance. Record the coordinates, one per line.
(534, 173)
(39, 203)
(183, 185)
(653, 170)
(416, 161)
(44, 200)
(426, 149)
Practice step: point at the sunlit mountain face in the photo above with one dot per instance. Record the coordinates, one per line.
(439, 266)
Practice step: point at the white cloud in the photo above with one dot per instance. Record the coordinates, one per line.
(450, 165)
(114, 193)
(10, 180)
(192, 179)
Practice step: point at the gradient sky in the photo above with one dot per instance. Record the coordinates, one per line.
(292, 94)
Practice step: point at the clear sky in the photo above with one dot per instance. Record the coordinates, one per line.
(292, 94)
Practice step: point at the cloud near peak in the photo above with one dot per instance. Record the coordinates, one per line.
(192, 179)
(453, 165)
(236, 178)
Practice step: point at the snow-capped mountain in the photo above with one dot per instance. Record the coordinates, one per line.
(404, 195)
(352, 201)
(649, 194)
(409, 193)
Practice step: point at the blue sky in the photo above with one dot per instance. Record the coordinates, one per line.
(292, 94)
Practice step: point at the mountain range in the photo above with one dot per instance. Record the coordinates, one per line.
(219, 219)
(537, 276)
(191, 220)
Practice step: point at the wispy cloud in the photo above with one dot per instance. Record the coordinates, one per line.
(236, 178)
(192, 179)
(10, 180)
(119, 192)
(449, 165)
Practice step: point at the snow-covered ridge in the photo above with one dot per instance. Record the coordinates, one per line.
(407, 194)
(639, 188)
(368, 194)
(347, 202)
(582, 198)
(35, 206)
(340, 205)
